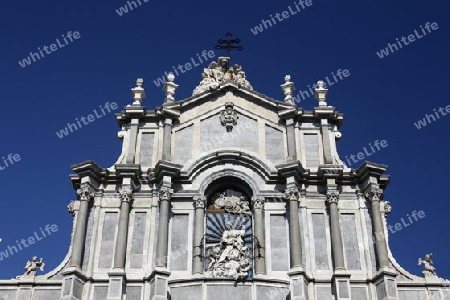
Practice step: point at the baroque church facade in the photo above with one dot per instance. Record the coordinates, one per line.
(228, 194)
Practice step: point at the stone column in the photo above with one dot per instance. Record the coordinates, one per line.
(295, 241)
(163, 231)
(167, 140)
(199, 229)
(374, 196)
(86, 194)
(258, 215)
(126, 197)
(336, 237)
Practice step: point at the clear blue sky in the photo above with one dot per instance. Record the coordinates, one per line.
(381, 99)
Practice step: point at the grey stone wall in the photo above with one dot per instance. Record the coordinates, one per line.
(412, 295)
(279, 243)
(274, 145)
(183, 145)
(214, 135)
(192, 292)
(146, 149)
(137, 242)
(350, 239)
(179, 242)
(88, 240)
(311, 150)
(320, 241)
(107, 245)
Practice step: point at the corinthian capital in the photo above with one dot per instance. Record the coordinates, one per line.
(126, 195)
(199, 202)
(85, 193)
(332, 196)
(258, 202)
(165, 194)
(292, 194)
(374, 194)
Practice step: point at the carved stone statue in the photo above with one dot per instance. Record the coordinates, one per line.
(218, 72)
(31, 266)
(427, 264)
(232, 204)
(228, 116)
(229, 258)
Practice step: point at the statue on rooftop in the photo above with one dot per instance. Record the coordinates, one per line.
(218, 72)
(427, 264)
(32, 266)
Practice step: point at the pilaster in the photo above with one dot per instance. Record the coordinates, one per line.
(165, 195)
(336, 236)
(292, 195)
(259, 254)
(199, 203)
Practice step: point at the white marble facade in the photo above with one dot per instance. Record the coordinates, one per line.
(230, 170)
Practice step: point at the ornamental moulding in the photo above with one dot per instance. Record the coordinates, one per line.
(229, 116)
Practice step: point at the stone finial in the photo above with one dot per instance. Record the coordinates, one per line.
(321, 93)
(138, 92)
(170, 87)
(288, 89)
(427, 264)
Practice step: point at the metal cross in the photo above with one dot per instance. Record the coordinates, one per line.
(229, 44)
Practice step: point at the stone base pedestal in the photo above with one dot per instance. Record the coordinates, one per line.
(159, 284)
(341, 282)
(299, 284)
(386, 285)
(117, 280)
(73, 285)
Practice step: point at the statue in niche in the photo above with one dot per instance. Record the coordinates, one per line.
(232, 204)
(229, 258)
(427, 264)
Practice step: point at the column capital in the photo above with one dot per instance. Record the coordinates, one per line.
(332, 197)
(199, 202)
(165, 194)
(126, 195)
(292, 194)
(85, 193)
(258, 202)
(373, 194)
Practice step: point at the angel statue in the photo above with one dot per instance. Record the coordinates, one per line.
(31, 266)
(427, 264)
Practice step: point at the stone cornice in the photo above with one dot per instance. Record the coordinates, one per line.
(295, 169)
